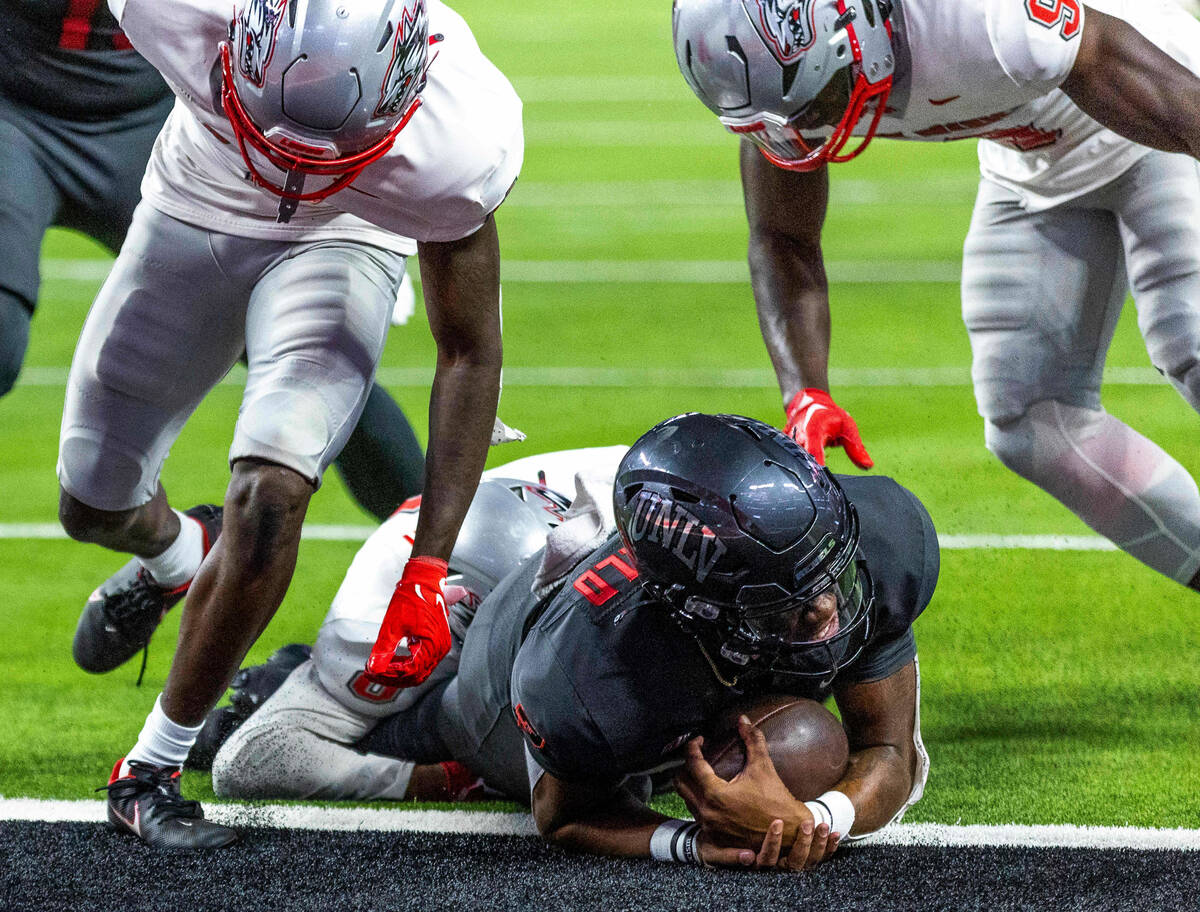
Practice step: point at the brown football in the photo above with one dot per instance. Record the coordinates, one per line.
(805, 740)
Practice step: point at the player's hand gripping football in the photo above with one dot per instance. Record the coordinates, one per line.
(751, 819)
(815, 421)
(415, 634)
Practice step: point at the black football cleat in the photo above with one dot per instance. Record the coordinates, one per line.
(146, 803)
(123, 613)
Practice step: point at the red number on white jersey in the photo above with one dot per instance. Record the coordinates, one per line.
(1053, 13)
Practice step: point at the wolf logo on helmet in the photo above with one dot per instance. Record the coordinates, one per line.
(258, 24)
(788, 26)
(410, 58)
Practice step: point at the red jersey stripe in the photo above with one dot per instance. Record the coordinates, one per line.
(77, 24)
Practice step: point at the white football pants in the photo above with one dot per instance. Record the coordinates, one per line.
(1042, 292)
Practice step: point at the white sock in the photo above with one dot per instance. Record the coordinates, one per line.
(179, 563)
(162, 742)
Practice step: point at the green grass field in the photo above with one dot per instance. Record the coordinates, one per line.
(1058, 687)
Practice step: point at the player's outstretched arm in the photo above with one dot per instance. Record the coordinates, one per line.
(1135, 88)
(608, 819)
(462, 298)
(461, 284)
(786, 212)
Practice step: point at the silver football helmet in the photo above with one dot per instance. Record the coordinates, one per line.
(322, 87)
(781, 73)
(507, 522)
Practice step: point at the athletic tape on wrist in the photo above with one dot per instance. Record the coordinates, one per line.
(833, 809)
(676, 841)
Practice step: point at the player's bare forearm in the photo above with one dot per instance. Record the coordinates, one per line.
(461, 283)
(596, 818)
(879, 718)
(1135, 88)
(877, 782)
(786, 212)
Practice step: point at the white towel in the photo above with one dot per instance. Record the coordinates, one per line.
(588, 523)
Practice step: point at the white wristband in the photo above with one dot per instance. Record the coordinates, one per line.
(835, 810)
(676, 840)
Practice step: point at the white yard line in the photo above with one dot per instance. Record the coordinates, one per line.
(358, 533)
(675, 377)
(726, 195)
(636, 272)
(507, 824)
(577, 89)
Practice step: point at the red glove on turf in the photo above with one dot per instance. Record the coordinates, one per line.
(815, 421)
(415, 634)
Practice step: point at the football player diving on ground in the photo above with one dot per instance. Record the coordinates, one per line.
(313, 146)
(737, 567)
(1088, 120)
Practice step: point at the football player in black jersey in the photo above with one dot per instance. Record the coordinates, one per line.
(740, 567)
(79, 113)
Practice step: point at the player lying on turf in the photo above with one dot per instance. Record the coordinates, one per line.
(1082, 111)
(741, 568)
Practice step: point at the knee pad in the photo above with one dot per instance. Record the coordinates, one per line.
(1012, 443)
(262, 760)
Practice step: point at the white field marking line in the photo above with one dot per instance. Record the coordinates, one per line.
(642, 377)
(495, 823)
(636, 272)
(577, 89)
(296, 817)
(637, 195)
(635, 134)
(358, 533)
(1025, 543)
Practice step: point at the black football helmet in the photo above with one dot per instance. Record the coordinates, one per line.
(748, 540)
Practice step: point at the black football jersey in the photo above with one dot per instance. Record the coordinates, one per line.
(71, 59)
(606, 684)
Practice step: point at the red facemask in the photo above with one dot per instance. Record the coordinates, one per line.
(783, 146)
(296, 156)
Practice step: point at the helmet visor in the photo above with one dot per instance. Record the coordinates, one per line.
(817, 636)
(813, 620)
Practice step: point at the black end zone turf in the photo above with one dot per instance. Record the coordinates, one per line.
(88, 867)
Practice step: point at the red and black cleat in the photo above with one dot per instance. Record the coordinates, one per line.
(146, 803)
(123, 613)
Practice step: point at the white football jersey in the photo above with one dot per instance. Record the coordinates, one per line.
(991, 69)
(353, 620)
(450, 166)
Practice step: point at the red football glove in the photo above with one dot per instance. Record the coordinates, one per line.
(815, 421)
(415, 634)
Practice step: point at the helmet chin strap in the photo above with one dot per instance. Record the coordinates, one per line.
(293, 189)
(728, 682)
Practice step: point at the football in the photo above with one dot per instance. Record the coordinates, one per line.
(805, 740)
